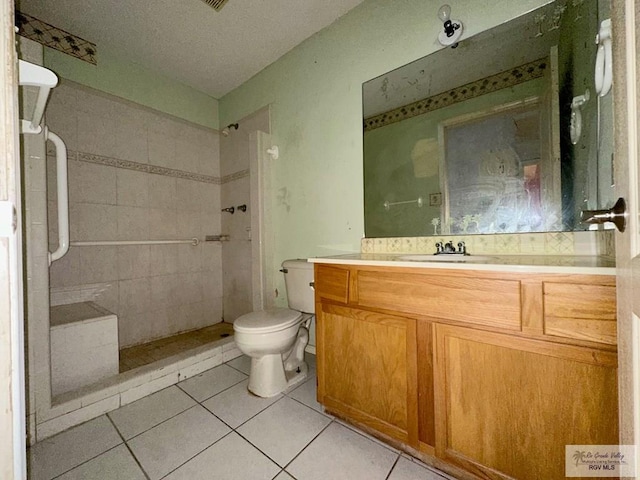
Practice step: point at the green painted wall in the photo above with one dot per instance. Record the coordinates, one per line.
(316, 117)
(130, 81)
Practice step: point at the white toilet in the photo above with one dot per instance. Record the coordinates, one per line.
(275, 339)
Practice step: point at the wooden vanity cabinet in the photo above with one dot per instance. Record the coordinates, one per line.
(490, 373)
(368, 370)
(366, 360)
(506, 406)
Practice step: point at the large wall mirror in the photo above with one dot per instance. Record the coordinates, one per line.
(507, 132)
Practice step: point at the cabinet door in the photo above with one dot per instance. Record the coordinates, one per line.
(367, 369)
(508, 404)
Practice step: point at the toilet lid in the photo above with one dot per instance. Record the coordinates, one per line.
(267, 321)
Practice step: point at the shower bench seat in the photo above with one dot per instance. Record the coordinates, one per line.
(84, 345)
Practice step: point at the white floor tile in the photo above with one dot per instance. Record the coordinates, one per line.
(284, 429)
(236, 405)
(170, 444)
(60, 453)
(340, 453)
(306, 393)
(405, 469)
(148, 412)
(232, 458)
(116, 464)
(242, 363)
(211, 382)
(365, 434)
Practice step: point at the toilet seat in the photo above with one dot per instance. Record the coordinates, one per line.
(267, 321)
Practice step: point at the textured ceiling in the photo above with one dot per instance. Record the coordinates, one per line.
(187, 40)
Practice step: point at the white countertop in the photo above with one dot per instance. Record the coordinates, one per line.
(587, 265)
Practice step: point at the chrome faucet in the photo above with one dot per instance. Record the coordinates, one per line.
(448, 248)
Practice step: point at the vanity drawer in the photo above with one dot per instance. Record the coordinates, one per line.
(580, 311)
(332, 283)
(477, 300)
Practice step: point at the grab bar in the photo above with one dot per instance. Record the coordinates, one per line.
(387, 205)
(106, 243)
(63, 196)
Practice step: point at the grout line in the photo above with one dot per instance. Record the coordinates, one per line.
(163, 421)
(265, 454)
(129, 449)
(256, 414)
(210, 410)
(86, 461)
(215, 394)
(307, 446)
(392, 467)
(194, 456)
(258, 449)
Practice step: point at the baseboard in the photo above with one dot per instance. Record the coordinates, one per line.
(310, 349)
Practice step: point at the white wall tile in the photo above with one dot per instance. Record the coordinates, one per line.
(163, 223)
(163, 291)
(162, 149)
(93, 221)
(163, 259)
(91, 183)
(162, 191)
(66, 271)
(188, 195)
(133, 261)
(131, 139)
(96, 134)
(189, 258)
(133, 223)
(132, 188)
(98, 264)
(135, 296)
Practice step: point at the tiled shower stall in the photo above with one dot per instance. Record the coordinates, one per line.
(134, 174)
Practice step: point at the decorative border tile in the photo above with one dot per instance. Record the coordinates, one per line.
(56, 38)
(147, 168)
(139, 167)
(235, 176)
(508, 78)
(546, 243)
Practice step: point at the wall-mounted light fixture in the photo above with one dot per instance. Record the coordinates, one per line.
(452, 29)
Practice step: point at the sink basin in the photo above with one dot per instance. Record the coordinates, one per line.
(447, 258)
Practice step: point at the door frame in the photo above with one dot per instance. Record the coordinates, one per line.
(12, 399)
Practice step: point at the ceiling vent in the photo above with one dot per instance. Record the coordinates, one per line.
(216, 4)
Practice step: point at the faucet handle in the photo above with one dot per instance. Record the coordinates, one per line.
(439, 248)
(462, 248)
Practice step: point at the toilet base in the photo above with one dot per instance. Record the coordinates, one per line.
(275, 373)
(296, 377)
(269, 378)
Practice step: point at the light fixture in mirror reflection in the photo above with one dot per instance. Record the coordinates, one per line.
(483, 132)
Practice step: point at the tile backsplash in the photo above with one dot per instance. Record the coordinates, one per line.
(549, 243)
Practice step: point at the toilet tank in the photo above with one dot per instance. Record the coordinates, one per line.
(298, 275)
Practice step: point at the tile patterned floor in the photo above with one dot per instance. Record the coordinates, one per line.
(134, 357)
(209, 427)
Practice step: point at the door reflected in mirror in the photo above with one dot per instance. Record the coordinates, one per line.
(482, 138)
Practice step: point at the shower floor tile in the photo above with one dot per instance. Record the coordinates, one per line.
(140, 355)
